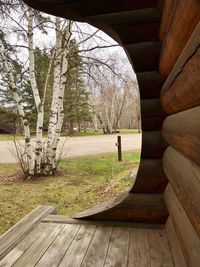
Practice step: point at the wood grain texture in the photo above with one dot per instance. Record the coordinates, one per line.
(78, 248)
(167, 16)
(179, 97)
(20, 249)
(98, 246)
(150, 177)
(159, 249)
(138, 248)
(60, 245)
(39, 247)
(182, 132)
(153, 145)
(187, 237)
(188, 51)
(16, 233)
(174, 245)
(145, 56)
(117, 254)
(143, 208)
(184, 177)
(186, 17)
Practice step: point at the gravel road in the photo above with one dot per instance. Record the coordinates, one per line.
(81, 146)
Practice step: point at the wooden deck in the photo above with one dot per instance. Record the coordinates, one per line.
(43, 240)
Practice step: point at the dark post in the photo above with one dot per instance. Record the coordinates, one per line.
(119, 145)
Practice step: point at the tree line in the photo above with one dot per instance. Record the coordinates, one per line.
(58, 85)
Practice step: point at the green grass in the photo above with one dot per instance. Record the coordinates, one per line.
(9, 137)
(80, 183)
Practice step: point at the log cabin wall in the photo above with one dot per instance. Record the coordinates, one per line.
(180, 98)
(161, 39)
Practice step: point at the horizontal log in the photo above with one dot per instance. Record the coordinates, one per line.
(167, 16)
(142, 208)
(187, 237)
(153, 145)
(138, 16)
(186, 17)
(184, 93)
(145, 56)
(188, 51)
(176, 250)
(184, 177)
(131, 33)
(151, 107)
(89, 8)
(150, 177)
(150, 84)
(182, 132)
(152, 114)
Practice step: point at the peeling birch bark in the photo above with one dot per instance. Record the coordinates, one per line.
(16, 95)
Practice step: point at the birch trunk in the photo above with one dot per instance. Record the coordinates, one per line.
(54, 104)
(16, 95)
(39, 105)
(60, 109)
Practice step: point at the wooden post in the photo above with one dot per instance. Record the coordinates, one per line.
(119, 146)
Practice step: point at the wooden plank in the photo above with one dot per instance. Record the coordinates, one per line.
(153, 145)
(167, 17)
(179, 97)
(138, 248)
(98, 246)
(67, 220)
(141, 208)
(78, 248)
(184, 176)
(187, 53)
(39, 247)
(20, 249)
(150, 177)
(117, 254)
(137, 16)
(182, 132)
(174, 244)
(160, 254)
(145, 56)
(186, 17)
(16, 233)
(150, 84)
(60, 245)
(139, 33)
(187, 236)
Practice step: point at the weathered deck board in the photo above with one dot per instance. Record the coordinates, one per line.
(58, 248)
(15, 234)
(98, 246)
(60, 242)
(160, 254)
(138, 248)
(39, 247)
(20, 249)
(118, 248)
(76, 252)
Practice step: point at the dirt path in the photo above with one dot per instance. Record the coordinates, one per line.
(81, 146)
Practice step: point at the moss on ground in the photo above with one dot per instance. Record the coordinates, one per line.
(79, 184)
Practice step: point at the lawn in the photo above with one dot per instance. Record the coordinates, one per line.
(80, 183)
(10, 137)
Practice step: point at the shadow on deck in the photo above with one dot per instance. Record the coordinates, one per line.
(44, 239)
